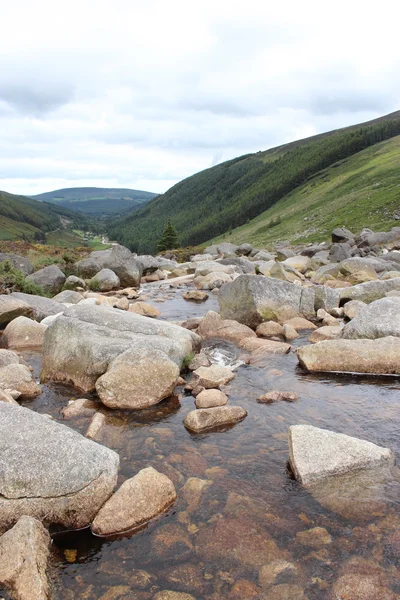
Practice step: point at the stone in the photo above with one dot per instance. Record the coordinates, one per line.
(5, 396)
(210, 398)
(41, 307)
(369, 291)
(204, 419)
(74, 283)
(137, 501)
(19, 377)
(277, 571)
(50, 472)
(284, 253)
(244, 264)
(289, 332)
(51, 279)
(123, 263)
(87, 267)
(379, 319)
(326, 298)
(68, 297)
(169, 595)
(243, 589)
(269, 329)
(94, 429)
(213, 326)
(18, 262)
(8, 357)
(244, 249)
(251, 299)
(328, 332)
(339, 252)
(199, 360)
(285, 272)
(195, 296)
(263, 256)
(192, 492)
(317, 537)
(105, 280)
(316, 454)
(276, 396)
(11, 308)
(362, 579)
(380, 356)
(138, 378)
(301, 324)
(352, 308)
(79, 408)
(341, 234)
(213, 376)
(300, 263)
(171, 543)
(144, 309)
(24, 553)
(212, 281)
(265, 267)
(23, 333)
(263, 350)
(284, 591)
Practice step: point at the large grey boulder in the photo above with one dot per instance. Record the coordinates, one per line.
(244, 249)
(251, 299)
(23, 333)
(41, 307)
(18, 262)
(381, 238)
(227, 249)
(244, 264)
(50, 472)
(24, 553)
(379, 319)
(74, 283)
(51, 279)
(366, 264)
(81, 346)
(316, 454)
(125, 266)
(105, 281)
(68, 297)
(263, 256)
(149, 263)
(11, 308)
(339, 252)
(369, 291)
(380, 356)
(87, 267)
(341, 234)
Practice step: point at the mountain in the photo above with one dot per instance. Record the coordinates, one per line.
(97, 201)
(231, 194)
(24, 218)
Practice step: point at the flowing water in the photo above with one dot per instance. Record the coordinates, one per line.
(249, 510)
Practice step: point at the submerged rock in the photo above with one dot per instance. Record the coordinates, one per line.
(381, 356)
(316, 454)
(276, 396)
(50, 472)
(138, 500)
(207, 418)
(24, 552)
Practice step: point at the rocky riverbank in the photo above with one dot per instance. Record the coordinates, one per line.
(194, 409)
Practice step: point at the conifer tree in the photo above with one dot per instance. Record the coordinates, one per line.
(169, 238)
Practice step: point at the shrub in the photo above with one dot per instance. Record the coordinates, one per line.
(13, 280)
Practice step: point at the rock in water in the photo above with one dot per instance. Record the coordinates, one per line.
(381, 356)
(18, 377)
(316, 454)
(203, 419)
(50, 472)
(212, 377)
(210, 399)
(138, 500)
(251, 299)
(376, 320)
(24, 551)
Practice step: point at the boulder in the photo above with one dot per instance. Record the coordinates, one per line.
(265, 267)
(341, 234)
(18, 262)
(263, 256)
(369, 291)
(326, 298)
(204, 419)
(144, 309)
(125, 266)
(284, 253)
(104, 281)
(212, 281)
(213, 376)
(93, 432)
(251, 299)
(50, 472)
(24, 552)
(74, 283)
(244, 249)
(213, 326)
(285, 272)
(19, 377)
(5, 396)
(148, 263)
(8, 357)
(138, 378)
(207, 267)
(243, 264)
(379, 319)
(328, 332)
(381, 356)
(195, 296)
(316, 454)
(51, 279)
(11, 308)
(23, 333)
(226, 249)
(261, 347)
(269, 329)
(136, 502)
(352, 308)
(289, 332)
(339, 252)
(87, 267)
(68, 297)
(300, 324)
(277, 396)
(41, 307)
(210, 399)
(79, 408)
(300, 263)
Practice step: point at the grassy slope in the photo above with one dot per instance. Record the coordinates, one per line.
(360, 191)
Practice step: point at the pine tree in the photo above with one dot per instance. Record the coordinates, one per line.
(169, 238)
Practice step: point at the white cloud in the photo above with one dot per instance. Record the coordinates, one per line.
(142, 94)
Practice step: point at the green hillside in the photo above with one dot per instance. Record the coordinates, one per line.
(360, 191)
(24, 218)
(97, 201)
(233, 193)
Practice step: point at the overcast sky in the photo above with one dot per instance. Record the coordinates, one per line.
(142, 93)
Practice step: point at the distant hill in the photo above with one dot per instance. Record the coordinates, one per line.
(229, 195)
(25, 218)
(97, 201)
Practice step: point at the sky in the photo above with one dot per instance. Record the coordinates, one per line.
(143, 93)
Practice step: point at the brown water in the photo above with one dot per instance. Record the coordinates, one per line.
(251, 509)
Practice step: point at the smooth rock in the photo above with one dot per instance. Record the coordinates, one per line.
(41, 307)
(328, 332)
(94, 429)
(301, 324)
(379, 319)
(144, 309)
(276, 396)
(213, 376)
(136, 502)
(269, 329)
(11, 308)
(210, 398)
(8, 357)
(213, 326)
(369, 291)
(23, 333)
(352, 308)
(24, 553)
(79, 408)
(105, 281)
(74, 283)
(51, 279)
(195, 296)
(207, 418)
(5, 396)
(289, 332)
(19, 377)
(68, 297)
(277, 571)
(316, 454)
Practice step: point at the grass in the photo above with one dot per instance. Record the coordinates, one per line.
(360, 191)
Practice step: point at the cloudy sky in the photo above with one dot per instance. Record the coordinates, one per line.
(142, 93)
